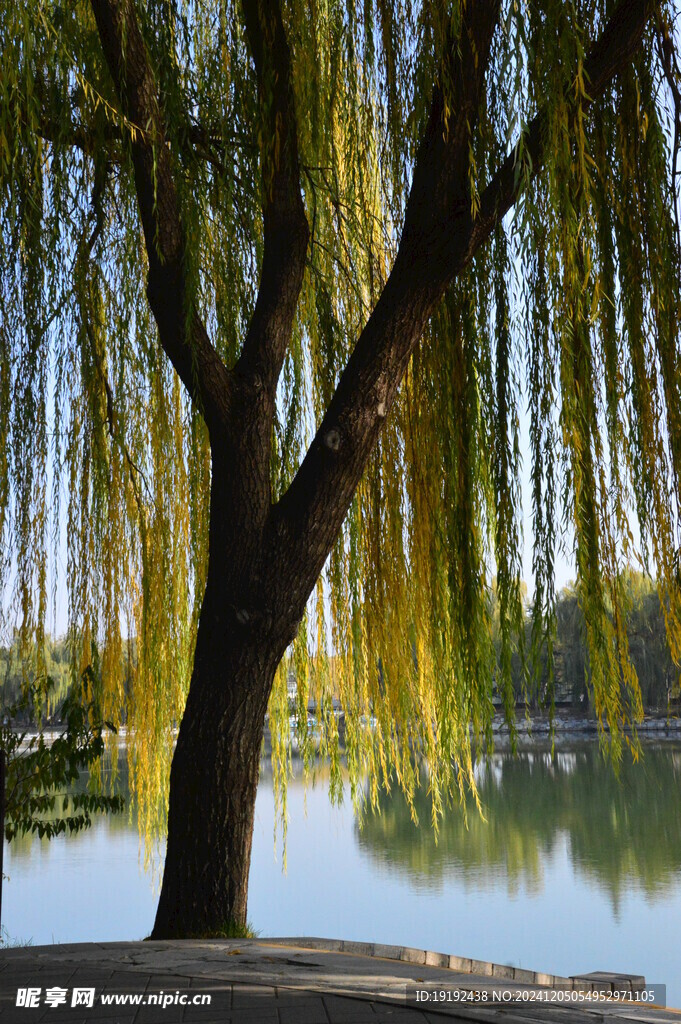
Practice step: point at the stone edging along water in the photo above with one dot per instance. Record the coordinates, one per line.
(597, 981)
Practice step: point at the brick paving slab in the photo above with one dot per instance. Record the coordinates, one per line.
(342, 1007)
(287, 981)
(304, 1013)
(399, 1014)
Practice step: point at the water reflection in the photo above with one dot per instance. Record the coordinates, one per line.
(621, 834)
(587, 858)
(114, 781)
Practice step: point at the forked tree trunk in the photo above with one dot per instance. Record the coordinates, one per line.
(252, 605)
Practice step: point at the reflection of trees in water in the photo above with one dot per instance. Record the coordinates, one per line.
(620, 833)
(114, 780)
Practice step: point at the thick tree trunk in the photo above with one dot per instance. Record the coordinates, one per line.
(251, 605)
(245, 626)
(213, 784)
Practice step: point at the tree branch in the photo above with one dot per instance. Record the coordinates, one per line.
(207, 146)
(181, 331)
(440, 238)
(286, 231)
(80, 136)
(616, 45)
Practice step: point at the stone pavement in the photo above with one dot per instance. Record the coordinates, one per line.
(283, 981)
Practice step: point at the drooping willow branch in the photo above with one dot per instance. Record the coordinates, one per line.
(439, 240)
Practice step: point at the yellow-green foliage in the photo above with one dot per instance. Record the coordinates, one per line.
(570, 313)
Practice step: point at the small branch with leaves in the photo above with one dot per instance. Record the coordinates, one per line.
(39, 772)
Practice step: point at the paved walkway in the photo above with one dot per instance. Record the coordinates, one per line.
(282, 981)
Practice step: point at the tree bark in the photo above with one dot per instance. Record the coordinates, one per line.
(213, 785)
(264, 560)
(247, 621)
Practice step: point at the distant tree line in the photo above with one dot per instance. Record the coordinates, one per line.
(18, 673)
(658, 676)
(53, 677)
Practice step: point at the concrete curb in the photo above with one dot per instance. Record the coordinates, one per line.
(597, 981)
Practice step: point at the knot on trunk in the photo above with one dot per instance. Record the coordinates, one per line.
(253, 618)
(332, 440)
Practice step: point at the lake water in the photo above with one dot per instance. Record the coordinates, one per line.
(572, 871)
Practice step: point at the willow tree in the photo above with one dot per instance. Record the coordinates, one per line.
(279, 280)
